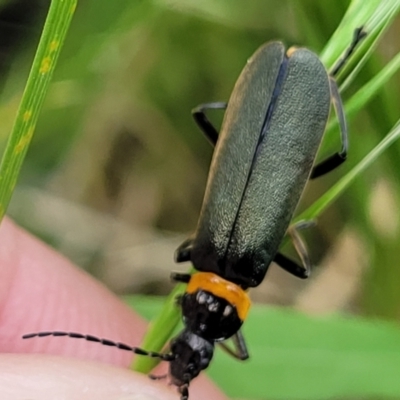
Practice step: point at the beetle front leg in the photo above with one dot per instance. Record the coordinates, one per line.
(180, 277)
(289, 265)
(240, 349)
(204, 123)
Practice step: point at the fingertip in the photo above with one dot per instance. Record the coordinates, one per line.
(50, 377)
(41, 290)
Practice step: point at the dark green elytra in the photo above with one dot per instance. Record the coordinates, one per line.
(271, 132)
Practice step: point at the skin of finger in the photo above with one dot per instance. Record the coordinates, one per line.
(42, 377)
(41, 290)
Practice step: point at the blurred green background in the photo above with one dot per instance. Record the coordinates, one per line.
(117, 168)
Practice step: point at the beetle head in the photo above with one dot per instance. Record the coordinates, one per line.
(191, 354)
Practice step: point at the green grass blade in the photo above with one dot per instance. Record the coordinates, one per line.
(359, 100)
(336, 190)
(159, 331)
(51, 41)
(375, 16)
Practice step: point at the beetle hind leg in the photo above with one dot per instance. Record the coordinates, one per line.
(301, 271)
(338, 158)
(199, 115)
(240, 351)
(358, 36)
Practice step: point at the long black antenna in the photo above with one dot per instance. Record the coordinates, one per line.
(105, 342)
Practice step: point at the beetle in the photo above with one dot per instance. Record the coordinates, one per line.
(264, 155)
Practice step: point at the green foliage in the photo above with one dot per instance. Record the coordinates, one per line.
(54, 31)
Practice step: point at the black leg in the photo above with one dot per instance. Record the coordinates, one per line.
(179, 277)
(359, 35)
(157, 377)
(338, 158)
(182, 253)
(289, 265)
(178, 300)
(204, 123)
(240, 349)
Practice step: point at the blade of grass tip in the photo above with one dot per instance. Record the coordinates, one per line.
(54, 32)
(336, 190)
(159, 331)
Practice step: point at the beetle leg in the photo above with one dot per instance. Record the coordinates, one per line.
(179, 277)
(299, 245)
(178, 300)
(182, 253)
(289, 265)
(240, 349)
(336, 159)
(157, 377)
(359, 35)
(204, 123)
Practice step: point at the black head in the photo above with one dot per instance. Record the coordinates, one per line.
(209, 316)
(190, 355)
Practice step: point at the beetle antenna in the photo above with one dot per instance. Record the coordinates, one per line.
(105, 342)
(184, 391)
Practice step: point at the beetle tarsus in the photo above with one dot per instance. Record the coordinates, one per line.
(359, 35)
(240, 351)
(157, 377)
(291, 266)
(179, 277)
(204, 123)
(327, 165)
